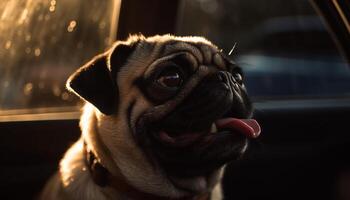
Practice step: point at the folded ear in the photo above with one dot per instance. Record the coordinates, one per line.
(95, 81)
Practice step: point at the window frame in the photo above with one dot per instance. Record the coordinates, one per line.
(336, 14)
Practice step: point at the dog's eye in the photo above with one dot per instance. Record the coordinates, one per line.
(171, 79)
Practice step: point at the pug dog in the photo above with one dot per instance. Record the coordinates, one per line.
(163, 116)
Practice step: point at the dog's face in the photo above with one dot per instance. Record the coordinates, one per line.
(171, 108)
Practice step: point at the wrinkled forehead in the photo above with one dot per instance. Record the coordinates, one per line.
(197, 53)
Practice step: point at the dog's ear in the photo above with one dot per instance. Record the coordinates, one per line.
(95, 81)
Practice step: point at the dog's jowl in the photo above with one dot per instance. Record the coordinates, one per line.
(163, 116)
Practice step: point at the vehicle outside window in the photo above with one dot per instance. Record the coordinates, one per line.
(284, 47)
(42, 42)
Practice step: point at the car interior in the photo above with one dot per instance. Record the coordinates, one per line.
(294, 55)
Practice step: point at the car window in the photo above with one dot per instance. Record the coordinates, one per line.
(283, 46)
(42, 42)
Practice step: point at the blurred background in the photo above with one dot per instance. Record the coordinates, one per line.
(42, 42)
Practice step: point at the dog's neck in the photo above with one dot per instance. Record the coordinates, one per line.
(101, 177)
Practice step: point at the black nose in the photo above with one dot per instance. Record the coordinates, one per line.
(228, 79)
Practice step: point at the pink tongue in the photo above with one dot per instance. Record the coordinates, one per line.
(248, 127)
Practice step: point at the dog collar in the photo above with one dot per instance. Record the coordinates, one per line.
(103, 178)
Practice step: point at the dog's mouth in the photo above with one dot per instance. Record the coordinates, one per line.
(246, 127)
(189, 153)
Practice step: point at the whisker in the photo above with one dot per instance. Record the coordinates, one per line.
(232, 49)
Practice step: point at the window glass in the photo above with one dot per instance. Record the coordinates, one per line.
(283, 46)
(42, 43)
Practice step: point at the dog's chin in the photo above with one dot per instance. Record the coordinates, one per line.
(198, 184)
